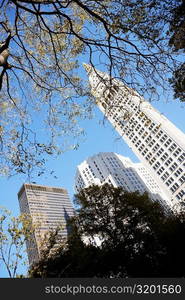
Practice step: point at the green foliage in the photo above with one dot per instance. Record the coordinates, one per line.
(177, 26)
(178, 82)
(14, 232)
(177, 42)
(136, 238)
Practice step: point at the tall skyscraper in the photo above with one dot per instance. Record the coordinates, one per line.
(156, 141)
(49, 207)
(115, 169)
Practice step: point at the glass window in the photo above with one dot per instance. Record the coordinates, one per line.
(170, 180)
(156, 147)
(163, 138)
(152, 126)
(159, 133)
(172, 147)
(182, 179)
(173, 167)
(181, 157)
(168, 142)
(160, 170)
(164, 157)
(178, 172)
(165, 176)
(177, 152)
(153, 160)
(161, 150)
(180, 194)
(168, 162)
(156, 165)
(174, 187)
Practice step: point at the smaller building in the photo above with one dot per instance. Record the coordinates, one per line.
(49, 208)
(115, 169)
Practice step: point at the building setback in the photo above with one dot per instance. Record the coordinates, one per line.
(156, 141)
(115, 169)
(49, 207)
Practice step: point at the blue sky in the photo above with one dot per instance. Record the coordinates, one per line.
(98, 138)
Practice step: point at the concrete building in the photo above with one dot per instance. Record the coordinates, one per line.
(115, 169)
(49, 207)
(156, 141)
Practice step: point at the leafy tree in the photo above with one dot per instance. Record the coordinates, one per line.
(177, 26)
(178, 82)
(14, 232)
(177, 42)
(137, 239)
(43, 43)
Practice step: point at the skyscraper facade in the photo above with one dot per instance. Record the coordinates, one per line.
(48, 207)
(115, 169)
(156, 141)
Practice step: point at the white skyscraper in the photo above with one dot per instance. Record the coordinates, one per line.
(49, 207)
(115, 169)
(158, 144)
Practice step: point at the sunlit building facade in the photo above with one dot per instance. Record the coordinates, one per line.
(156, 141)
(115, 169)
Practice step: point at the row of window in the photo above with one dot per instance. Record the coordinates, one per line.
(161, 150)
(180, 194)
(173, 147)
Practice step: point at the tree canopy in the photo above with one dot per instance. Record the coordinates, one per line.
(135, 238)
(43, 44)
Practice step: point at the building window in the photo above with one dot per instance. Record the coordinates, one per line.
(138, 127)
(182, 179)
(145, 151)
(159, 133)
(178, 172)
(131, 135)
(155, 130)
(174, 187)
(160, 171)
(165, 176)
(151, 143)
(156, 166)
(180, 194)
(168, 162)
(163, 138)
(141, 131)
(145, 134)
(169, 181)
(152, 126)
(161, 150)
(177, 152)
(135, 139)
(153, 160)
(172, 147)
(148, 139)
(156, 147)
(173, 167)
(164, 157)
(104, 105)
(141, 147)
(181, 157)
(149, 156)
(168, 142)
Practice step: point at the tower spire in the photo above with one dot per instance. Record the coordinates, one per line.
(87, 67)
